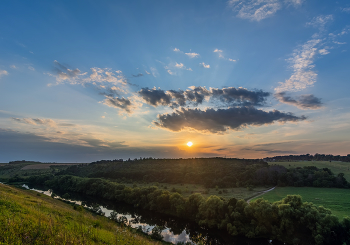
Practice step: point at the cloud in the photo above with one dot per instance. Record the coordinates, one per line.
(221, 55)
(120, 103)
(197, 95)
(307, 101)
(192, 55)
(295, 2)
(239, 96)
(179, 65)
(205, 65)
(221, 120)
(176, 50)
(346, 10)
(155, 96)
(97, 75)
(36, 121)
(302, 64)
(31, 68)
(170, 72)
(3, 73)
(323, 51)
(154, 71)
(320, 21)
(255, 9)
(219, 51)
(138, 75)
(148, 73)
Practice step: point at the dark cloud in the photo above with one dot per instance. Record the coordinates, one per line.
(307, 101)
(196, 95)
(240, 96)
(63, 72)
(121, 103)
(219, 121)
(35, 121)
(138, 75)
(155, 97)
(179, 98)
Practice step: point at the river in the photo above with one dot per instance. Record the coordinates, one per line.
(174, 230)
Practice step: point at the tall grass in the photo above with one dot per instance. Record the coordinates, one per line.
(27, 217)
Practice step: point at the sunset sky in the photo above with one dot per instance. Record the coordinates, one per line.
(87, 80)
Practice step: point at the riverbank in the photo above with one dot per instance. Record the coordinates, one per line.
(28, 217)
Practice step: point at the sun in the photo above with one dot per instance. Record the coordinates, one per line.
(189, 144)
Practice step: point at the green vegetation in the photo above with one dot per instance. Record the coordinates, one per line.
(210, 173)
(337, 200)
(188, 189)
(27, 217)
(289, 220)
(335, 167)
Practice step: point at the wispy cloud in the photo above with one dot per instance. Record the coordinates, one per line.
(97, 75)
(137, 75)
(189, 54)
(257, 10)
(154, 71)
(192, 55)
(320, 21)
(221, 55)
(323, 51)
(304, 102)
(205, 65)
(36, 121)
(302, 64)
(3, 73)
(346, 10)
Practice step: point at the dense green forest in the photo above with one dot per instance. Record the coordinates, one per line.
(209, 172)
(289, 220)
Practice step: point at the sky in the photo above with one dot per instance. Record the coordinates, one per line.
(88, 80)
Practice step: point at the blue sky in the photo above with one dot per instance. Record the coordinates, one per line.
(88, 80)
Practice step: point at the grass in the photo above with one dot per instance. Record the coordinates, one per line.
(336, 167)
(28, 217)
(187, 189)
(337, 200)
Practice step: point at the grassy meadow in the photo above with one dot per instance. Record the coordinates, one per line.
(28, 217)
(336, 167)
(335, 199)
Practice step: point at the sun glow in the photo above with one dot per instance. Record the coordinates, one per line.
(189, 144)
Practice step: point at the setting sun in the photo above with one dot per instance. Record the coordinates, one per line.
(189, 144)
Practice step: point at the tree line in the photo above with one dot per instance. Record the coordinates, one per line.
(309, 157)
(289, 220)
(210, 172)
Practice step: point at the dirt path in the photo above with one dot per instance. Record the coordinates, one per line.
(261, 193)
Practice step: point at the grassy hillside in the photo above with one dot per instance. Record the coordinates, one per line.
(28, 217)
(336, 167)
(337, 200)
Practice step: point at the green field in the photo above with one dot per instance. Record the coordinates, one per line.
(337, 200)
(336, 167)
(27, 217)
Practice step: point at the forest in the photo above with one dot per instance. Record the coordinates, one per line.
(209, 172)
(289, 220)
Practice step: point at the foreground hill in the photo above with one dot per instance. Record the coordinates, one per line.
(28, 217)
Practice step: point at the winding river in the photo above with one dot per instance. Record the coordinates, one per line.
(174, 230)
